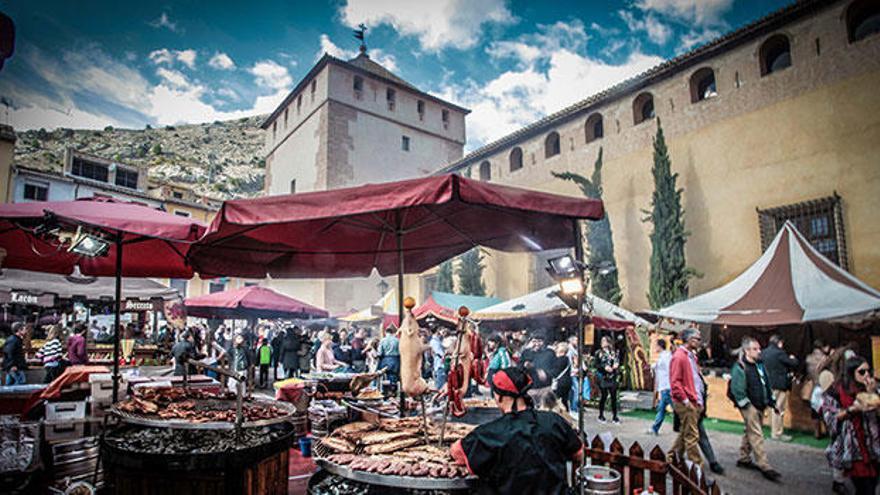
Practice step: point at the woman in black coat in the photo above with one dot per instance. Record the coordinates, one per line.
(290, 352)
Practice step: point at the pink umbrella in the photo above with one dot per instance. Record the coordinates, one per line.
(251, 302)
(57, 236)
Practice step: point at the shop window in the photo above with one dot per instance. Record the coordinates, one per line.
(486, 171)
(516, 159)
(862, 20)
(551, 145)
(643, 108)
(36, 192)
(775, 54)
(820, 221)
(594, 128)
(703, 85)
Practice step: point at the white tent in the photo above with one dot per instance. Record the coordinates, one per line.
(791, 283)
(546, 303)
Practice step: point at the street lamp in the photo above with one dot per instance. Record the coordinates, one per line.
(569, 274)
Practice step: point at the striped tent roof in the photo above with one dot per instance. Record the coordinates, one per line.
(790, 283)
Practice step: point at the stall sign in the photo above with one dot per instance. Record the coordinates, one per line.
(26, 298)
(133, 305)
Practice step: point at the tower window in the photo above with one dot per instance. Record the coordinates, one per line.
(862, 20)
(358, 87)
(299, 104)
(594, 128)
(643, 108)
(516, 159)
(703, 85)
(551, 145)
(485, 171)
(775, 54)
(404, 143)
(293, 186)
(314, 88)
(285, 118)
(420, 108)
(390, 97)
(444, 116)
(274, 129)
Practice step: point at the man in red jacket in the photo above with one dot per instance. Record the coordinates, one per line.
(687, 395)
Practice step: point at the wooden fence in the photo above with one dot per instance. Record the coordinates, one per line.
(638, 472)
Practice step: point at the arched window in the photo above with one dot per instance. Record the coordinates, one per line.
(551, 145)
(862, 19)
(486, 171)
(703, 85)
(643, 108)
(775, 54)
(516, 159)
(594, 128)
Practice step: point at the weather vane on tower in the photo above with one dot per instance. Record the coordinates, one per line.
(360, 34)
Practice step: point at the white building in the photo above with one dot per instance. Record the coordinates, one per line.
(349, 123)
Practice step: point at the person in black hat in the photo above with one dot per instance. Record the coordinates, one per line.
(523, 451)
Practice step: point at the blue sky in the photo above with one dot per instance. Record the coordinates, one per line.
(91, 63)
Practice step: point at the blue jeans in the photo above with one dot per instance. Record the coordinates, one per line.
(440, 378)
(15, 378)
(392, 363)
(665, 400)
(573, 396)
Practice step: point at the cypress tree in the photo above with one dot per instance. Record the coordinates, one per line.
(599, 241)
(470, 273)
(669, 271)
(444, 277)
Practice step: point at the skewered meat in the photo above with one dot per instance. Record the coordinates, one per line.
(341, 459)
(392, 446)
(411, 352)
(383, 436)
(340, 445)
(355, 429)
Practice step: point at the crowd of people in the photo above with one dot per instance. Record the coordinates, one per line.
(761, 381)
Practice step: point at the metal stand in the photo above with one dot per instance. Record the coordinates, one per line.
(239, 378)
(579, 257)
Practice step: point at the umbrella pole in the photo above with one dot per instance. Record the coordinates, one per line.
(400, 396)
(116, 318)
(579, 256)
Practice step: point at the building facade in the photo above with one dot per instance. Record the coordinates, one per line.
(777, 120)
(349, 123)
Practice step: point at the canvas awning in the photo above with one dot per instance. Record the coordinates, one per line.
(88, 288)
(545, 303)
(791, 283)
(444, 305)
(386, 305)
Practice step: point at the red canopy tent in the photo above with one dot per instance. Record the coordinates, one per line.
(251, 302)
(143, 242)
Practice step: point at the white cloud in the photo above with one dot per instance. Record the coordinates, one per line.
(552, 75)
(696, 38)
(165, 56)
(126, 98)
(376, 54)
(436, 24)
(163, 21)
(187, 57)
(221, 61)
(657, 32)
(269, 74)
(699, 12)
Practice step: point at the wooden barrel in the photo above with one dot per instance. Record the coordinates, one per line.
(258, 470)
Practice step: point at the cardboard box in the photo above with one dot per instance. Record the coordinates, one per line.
(63, 411)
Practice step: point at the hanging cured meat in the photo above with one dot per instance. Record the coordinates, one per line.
(411, 352)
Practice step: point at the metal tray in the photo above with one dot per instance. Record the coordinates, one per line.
(410, 482)
(157, 422)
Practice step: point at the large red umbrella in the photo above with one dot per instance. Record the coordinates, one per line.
(251, 302)
(141, 242)
(396, 227)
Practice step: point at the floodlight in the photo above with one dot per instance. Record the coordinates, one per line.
(89, 245)
(572, 286)
(562, 266)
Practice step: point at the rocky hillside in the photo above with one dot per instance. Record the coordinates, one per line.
(220, 159)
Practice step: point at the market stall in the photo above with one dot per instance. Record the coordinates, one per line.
(381, 314)
(250, 303)
(791, 290)
(395, 228)
(443, 306)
